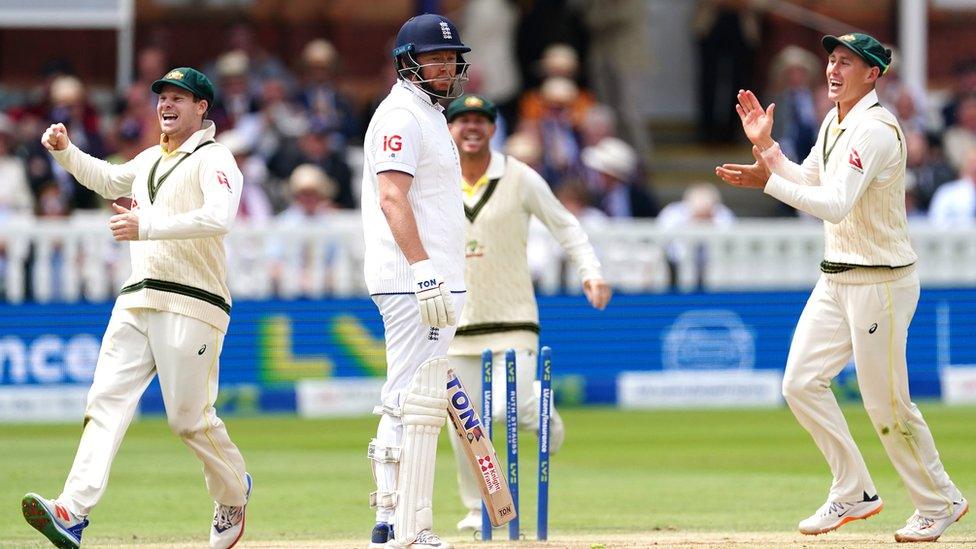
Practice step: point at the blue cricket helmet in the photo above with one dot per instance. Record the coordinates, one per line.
(426, 33)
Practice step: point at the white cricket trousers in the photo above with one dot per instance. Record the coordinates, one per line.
(184, 352)
(468, 368)
(871, 322)
(409, 343)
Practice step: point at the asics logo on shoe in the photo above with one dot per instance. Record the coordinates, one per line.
(873, 328)
(62, 513)
(202, 350)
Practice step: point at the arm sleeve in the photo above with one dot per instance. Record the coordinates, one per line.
(221, 182)
(868, 153)
(109, 180)
(537, 198)
(397, 142)
(807, 173)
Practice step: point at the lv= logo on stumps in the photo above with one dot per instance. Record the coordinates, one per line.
(480, 453)
(545, 412)
(511, 417)
(511, 437)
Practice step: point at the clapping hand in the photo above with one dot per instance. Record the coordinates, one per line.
(753, 176)
(756, 122)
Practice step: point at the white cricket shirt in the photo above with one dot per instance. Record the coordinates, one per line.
(853, 179)
(408, 133)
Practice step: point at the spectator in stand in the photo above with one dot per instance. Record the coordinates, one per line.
(960, 138)
(262, 64)
(728, 33)
(16, 198)
(140, 107)
(525, 146)
(280, 119)
(557, 130)
(619, 60)
(559, 61)
(926, 169)
(300, 268)
(599, 122)
(575, 197)
(909, 104)
(612, 173)
(700, 205)
(792, 76)
(313, 194)
(151, 61)
(965, 80)
(489, 28)
(319, 93)
(954, 204)
(906, 110)
(127, 134)
(69, 106)
(237, 100)
(317, 146)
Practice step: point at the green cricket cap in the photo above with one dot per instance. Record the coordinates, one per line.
(190, 80)
(865, 46)
(471, 103)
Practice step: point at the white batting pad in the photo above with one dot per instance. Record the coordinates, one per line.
(424, 413)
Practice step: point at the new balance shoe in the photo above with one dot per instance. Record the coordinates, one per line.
(382, 533)
(834, 514)
(228, 521)
(52, 519)
(470, 522)
(921, 528)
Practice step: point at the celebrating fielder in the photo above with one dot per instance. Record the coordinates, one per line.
(854, 179)
(173, 311)
(414, 231)
(500, 196)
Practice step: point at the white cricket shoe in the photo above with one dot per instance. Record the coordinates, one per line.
(470, 522)
(920, 528)
(228, 521)
(834, 514)
(426, 539)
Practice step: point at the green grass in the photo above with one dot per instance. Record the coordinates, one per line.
(619, 472)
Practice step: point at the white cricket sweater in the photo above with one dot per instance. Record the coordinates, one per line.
(500, 310)
(853, 179)
(178, 263)
(408, 133)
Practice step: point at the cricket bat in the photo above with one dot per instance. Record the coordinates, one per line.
(480, 453)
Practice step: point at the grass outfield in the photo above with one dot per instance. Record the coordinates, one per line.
(627, 479)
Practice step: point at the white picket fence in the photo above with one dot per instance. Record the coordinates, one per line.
(76, 259)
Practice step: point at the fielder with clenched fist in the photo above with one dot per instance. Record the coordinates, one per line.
(172, 313)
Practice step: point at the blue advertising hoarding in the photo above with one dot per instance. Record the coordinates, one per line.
(272, 344)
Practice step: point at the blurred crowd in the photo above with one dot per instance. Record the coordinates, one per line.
(579, 128)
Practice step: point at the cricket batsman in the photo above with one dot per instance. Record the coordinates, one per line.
(413, 224)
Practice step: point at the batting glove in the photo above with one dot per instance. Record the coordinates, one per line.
(434, 299)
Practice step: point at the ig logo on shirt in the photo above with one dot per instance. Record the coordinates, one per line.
(392, 143)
